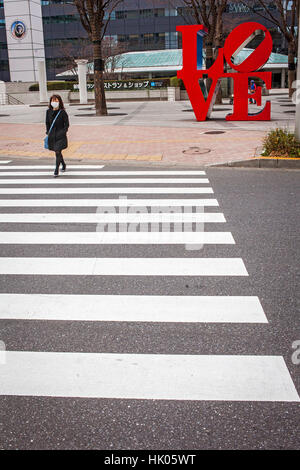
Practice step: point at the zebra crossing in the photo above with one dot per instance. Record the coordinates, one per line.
(143, 376)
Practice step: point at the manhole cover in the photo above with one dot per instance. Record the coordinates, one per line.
(2, 115)
(195, 151)
(289, 112)
(187, 110)
(94, 115)
(214, 132)
(287, 105)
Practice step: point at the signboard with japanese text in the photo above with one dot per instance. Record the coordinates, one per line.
(127, 85)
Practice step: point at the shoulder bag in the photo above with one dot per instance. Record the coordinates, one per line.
(46, 146)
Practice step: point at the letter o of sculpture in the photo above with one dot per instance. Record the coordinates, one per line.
(238, 37)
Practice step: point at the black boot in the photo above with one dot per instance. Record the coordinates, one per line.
(64, 166)
(56, 173)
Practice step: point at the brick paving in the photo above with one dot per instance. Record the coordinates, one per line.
(183, 146)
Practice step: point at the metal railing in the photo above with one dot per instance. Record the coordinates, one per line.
(5, 98)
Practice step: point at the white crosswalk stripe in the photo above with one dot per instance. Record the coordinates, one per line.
(96, 218)
(123, 266)
(68, 180)
(4, 162)
(104, 173)
(137, 308)
(143, 376)
(172, 377)
(124, 190)
(121, 202)
(47, 167)
(93, 238)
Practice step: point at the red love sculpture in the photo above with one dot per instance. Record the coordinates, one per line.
(237, 39)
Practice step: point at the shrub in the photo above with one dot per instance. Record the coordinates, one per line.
(177, 82)
(281, 143)
(53, 86)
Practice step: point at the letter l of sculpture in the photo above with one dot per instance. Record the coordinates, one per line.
(190, 73)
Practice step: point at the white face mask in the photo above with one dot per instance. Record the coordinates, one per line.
(54, 104)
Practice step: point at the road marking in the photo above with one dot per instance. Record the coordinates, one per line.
(46, 167)
(150, 190)
(102, 173)
(132, 308)
(66, 180)
(123, 266)
(120, 238)
(98, 217)
(147, 376)
(4, 162)
(122, 202)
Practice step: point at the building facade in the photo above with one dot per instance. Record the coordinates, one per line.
(135, 25)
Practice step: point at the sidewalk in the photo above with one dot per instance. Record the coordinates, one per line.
(159, 132)
(149, 144)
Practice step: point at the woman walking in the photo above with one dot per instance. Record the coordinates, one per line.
(57, 124)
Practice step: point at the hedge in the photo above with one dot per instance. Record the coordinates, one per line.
(53, 86)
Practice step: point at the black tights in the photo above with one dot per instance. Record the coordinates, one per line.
(59, 159)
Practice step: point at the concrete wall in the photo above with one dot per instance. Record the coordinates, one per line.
(33, 97)
(18, 87)
(125, 95)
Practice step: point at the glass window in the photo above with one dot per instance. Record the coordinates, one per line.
(66, 41)
(133, 38)
(129, 14)
(132, 14)
(146, 13)
(148, 38)
(60, 19)
(120, 15)
(54, 2)
(4, 65)
(159, 12)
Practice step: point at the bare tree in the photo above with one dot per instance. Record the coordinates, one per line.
(95, 16)
(285, 18)
(70, 52)
(112, 51)
(210, 14)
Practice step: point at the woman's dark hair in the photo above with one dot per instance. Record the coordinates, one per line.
(61, 104)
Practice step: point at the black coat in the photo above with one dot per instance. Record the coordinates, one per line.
(57, 139)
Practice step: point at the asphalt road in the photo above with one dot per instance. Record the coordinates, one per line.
(261, 208)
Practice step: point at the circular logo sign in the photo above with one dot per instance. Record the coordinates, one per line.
(18, 29)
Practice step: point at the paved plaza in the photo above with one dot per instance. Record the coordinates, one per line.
(150, 131)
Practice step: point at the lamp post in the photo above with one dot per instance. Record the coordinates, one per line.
(297, 120)
(42, 81)
(82, 68)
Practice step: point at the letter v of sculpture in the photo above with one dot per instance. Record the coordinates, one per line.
(191, 73)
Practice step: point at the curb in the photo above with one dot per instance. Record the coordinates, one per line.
(289, 163)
